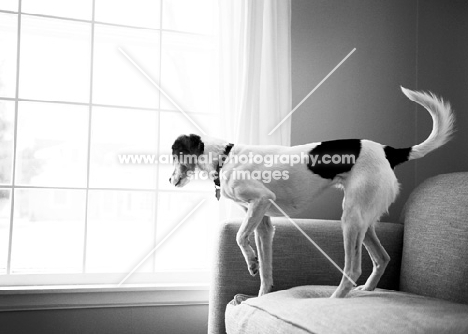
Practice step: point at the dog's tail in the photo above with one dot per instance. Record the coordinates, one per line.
(442, 129)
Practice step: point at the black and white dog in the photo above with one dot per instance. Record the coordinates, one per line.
(366, 177)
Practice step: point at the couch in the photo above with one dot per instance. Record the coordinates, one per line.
(424, 288)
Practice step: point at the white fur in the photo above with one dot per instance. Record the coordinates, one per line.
(370, 187)
(442, 117)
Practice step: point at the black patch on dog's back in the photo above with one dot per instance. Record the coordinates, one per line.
(396, 156)
(345, 150)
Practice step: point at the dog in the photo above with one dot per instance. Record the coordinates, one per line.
(367, 178)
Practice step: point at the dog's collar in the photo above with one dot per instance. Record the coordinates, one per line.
(219, 166)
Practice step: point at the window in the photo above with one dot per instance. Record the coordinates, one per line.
(70, 103)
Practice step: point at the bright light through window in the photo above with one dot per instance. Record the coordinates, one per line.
(70, 103)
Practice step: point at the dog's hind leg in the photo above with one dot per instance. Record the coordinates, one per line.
(379, 257)
(264, 240)
(353, 234)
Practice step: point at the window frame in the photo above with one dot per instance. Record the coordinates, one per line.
(28, 282)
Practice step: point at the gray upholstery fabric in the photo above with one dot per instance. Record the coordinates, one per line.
(295, 261)
(307, 309)
(434, 263)
(435, 253)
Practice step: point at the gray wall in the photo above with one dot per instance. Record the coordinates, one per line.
(399, 42)
(416, 44)
(443, 69)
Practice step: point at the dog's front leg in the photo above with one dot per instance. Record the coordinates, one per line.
(264, 240)
(259, 202)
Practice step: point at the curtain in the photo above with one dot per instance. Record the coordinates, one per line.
(255, 81)
(255, 70)
(255, 75)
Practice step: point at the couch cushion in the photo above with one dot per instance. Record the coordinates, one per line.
(307, 309)
(295, 261)
(435, 251)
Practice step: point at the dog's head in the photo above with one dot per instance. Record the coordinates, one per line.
(185, 152)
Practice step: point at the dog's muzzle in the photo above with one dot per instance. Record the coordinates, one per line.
(176, 184)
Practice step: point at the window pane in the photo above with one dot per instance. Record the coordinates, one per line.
(55, 59)
(188, 15)
(52, 143)
(48, 231)
(188, 72)
(120, 231)
(189, 247)
(116, 80)
(174, 124)
(4, 228)
(8, 37)
(9, 5)
(138, 13)
(78, 9)
(7, 119)
(121, 131)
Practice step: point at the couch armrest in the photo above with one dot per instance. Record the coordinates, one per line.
(296, 262)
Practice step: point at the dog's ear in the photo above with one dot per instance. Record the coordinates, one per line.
(191, 144)
(196, 145)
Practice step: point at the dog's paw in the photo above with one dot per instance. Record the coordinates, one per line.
(264, 290)
(254, 267)
(340, 293)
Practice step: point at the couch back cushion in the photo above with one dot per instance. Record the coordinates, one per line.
(435, 244)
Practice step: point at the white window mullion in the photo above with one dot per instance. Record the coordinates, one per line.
(156, 197)
(85, 238)
(15, 131)
(64, 151)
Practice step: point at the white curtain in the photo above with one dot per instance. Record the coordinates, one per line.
(255, 75)
(255, 78)
(255, 70)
